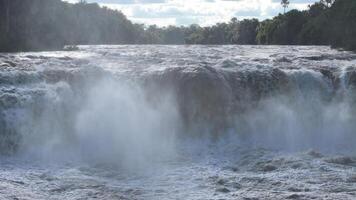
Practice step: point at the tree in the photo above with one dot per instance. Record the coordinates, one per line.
(328, 3)
(7, 6)
(51, 24)
(247, 31)
(283, 29)
(316, 9)
(27, 25)
(341, 27)
(285, 4)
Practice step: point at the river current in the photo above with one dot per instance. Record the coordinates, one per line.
(178, 122)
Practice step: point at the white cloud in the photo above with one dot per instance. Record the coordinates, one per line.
(203, 12)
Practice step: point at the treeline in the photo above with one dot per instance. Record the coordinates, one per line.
(328, 22)
(234, 32)
(51, 24)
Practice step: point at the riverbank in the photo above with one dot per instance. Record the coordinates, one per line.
(49, 25)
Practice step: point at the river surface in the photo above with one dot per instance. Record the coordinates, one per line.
(178, 122)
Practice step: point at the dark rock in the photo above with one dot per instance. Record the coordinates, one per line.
(283, 59)
(236, 185)
(293, 189)
(294, 196)
(223, 190)
(297, 166)
(221, 181)
(269, 168)
(71, 48)
(343, 160)
(315, 58)
(314, 154)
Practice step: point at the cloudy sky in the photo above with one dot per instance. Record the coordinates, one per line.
(203, 12)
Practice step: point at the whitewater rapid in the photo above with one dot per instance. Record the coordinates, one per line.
(178, 122)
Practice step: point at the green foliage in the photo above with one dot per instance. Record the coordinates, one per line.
(314, 31)
(326, 22)
(342, 24)
(234, 32)
(51, 24)
(283, 29)
(247, 31)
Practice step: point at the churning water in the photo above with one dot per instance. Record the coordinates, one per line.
(178, 122)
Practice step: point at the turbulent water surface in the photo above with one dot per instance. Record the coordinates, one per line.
(178, 122)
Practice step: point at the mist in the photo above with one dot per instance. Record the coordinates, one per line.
(177, 122)
(111, 122)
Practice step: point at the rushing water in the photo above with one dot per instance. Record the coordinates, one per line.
(178, 122)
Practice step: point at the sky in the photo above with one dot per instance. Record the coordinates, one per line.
(202, 12)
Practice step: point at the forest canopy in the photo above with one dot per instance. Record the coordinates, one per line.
(50, 24)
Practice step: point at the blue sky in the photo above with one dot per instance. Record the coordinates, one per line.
(203, 12)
